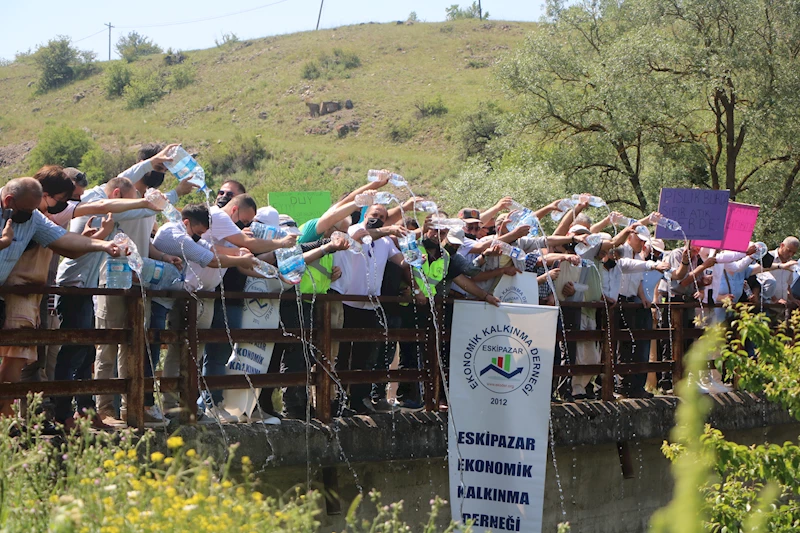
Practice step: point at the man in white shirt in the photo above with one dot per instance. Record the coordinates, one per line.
(783, 278)
(362, 274)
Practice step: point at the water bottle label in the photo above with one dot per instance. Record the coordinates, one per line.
(158, 271)
(114, 267)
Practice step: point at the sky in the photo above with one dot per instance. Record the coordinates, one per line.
(195, 24)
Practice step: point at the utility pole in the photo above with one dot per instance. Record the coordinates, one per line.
(320, 12)
(109, 39)
(480, 11)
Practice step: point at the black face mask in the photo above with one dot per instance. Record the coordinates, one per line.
(570, 247)
(153, 179)
(609, 264)
(56, 209)
(471, 236)
(21, 217)
(451, 248)
(374, 223)
(241, 224)
(222, 201)
(429, 243)
(196, 237)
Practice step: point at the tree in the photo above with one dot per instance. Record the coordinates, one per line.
(60, 145)
(133, 46)
(60, 63)
(454, 12)
(640, 94)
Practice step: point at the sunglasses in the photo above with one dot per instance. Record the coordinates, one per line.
(227, 194)
(80, 180)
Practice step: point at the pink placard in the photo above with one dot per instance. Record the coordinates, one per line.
(739, 225)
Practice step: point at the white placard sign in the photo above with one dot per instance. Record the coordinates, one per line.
(252, 358)
(501, 369)
(520, 288)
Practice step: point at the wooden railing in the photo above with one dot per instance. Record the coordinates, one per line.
(322, 337)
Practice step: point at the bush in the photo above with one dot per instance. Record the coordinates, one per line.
(412, 17)
(454, 12)
(431, 108)
(227, 38)
(100, 165)
(174, 58)
(241, 153)
(181, 76)
(60, 63)
(332, 66)
(118, 76)
(144, 91)
(60, 145)
(133, 46)
(311, 71)
(478, 129)
(400, 132)
(477, 63)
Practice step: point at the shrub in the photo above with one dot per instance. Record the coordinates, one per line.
(174, 58)
(400, 131)
(412, 17)
(118, 76)
(454, 12)
(60, 145)
(133, 46)
(478, 129)
(241, 153)
(227, 38)
(144, 91)
(181, 76)
(311, 71)
(477, 63)
(100, 165)
(60, 63)
(431, 108)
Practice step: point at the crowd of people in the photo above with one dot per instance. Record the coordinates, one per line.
(59, 232)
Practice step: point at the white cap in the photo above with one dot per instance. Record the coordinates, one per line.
(643, 233)
(456, 236)
(267, 216)
(577, 229)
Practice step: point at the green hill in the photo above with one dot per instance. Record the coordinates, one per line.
(257, 87)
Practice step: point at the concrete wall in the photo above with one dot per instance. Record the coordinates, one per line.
(405, 457)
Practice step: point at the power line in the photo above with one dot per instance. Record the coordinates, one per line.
(109, 39)
(92, 35)
(200, 20)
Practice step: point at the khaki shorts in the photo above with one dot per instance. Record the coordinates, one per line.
(22, 312)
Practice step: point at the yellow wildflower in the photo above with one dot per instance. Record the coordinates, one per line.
(191, 453)
(245, 460)
(156, 457)
(175, 442)
(108, 463)
(131, 454)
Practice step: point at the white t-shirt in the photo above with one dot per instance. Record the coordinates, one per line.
(362, 274)
(221, 228)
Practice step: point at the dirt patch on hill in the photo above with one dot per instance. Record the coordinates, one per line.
(14, 154)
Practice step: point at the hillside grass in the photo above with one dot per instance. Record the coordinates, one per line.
(400, 66)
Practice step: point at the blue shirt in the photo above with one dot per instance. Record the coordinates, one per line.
(39, 228)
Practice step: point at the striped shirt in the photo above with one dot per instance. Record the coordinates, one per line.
(39, 228)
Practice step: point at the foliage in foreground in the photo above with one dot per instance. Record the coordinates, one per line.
(720, 485)
(119, 483)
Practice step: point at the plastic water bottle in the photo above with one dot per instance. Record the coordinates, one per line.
(118, 273)
(447, 223)
(291, 263)
(563, 207)
(265, 269)
(184, 166)
(355, 246)
(410, 249)
(590, 242)
(622, 220)
(159, 275)
(594, 201)
(522, 216)
(669, 224)
(586, 263)
(126, 245)
(383, 198)
(761, 251)
(262, 231)
(747, 290)
(427, 206)
(395, 179)
(155, 197)
(511, 251)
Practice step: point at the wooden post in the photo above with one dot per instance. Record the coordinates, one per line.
(607, 353)
(325, 363)
(430, 361)
(189, 390)
(135, 362)
(677, 344)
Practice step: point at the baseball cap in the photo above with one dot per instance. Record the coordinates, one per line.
(77, 176)
(658, 244)
(289, 224)
(470, 215)
(643, 233)
(268, 216)
(577, 228)
(456, 236)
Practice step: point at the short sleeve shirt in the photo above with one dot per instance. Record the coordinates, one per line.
(308, 232)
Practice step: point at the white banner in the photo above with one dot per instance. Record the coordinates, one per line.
(252, 358)
(501, 369)
(520, 288)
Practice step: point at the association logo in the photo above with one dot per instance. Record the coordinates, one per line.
(513, 295)
(258, 307)
(503, 363)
